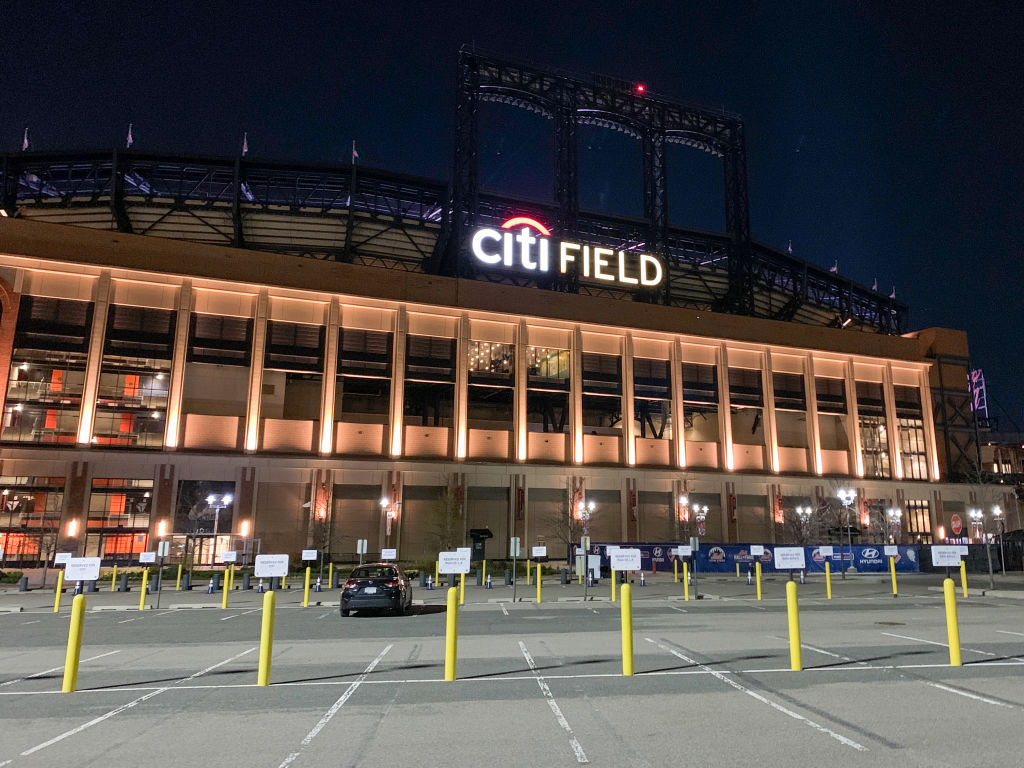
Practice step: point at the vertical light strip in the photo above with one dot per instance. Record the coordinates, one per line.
(94, 359)
(576, 394)
(401, 332)
(678, 420)
(462, 340)
(522, 341)
(857, 464)
(892, 423)
(329, 381)
(928, 416)
(724, 415)
(813, 422)
(771, 431)
(259, 345)
(179, 358)
(628, 411)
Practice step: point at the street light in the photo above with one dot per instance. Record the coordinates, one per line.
(846, 497)
(804, 513)
(217, 502)
(390, 513)
(895, 515)
(997, 515)
(978, 521)
(701, 514)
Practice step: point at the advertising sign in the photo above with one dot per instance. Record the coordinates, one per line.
(231, 556)
(453, 562)
(270, 566)
(946, 555)
(389, 554)
(61, 558)
(147, 557)
(957, 524)
(625, 559)
(684, 550)
(82, 569)
(789, 558)
(310, 554)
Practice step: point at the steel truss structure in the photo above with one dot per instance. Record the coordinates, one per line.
(394, 221)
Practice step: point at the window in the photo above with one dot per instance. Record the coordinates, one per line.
(547, 389)
(429, 381)
(831, 398)
(602, 394)
(790, 410)
(746, 399)
(29, 519)
(220, 340)
(910, 428)
(918, 521)
(363, 393)
(873, 429)
(217, 370)
(700, 402)
(652, 399)
(293, 361)
(490, 396)
(118, 524)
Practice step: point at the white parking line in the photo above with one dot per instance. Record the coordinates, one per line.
(933, 642)
(124, 707)
(230, 617)
(581, 756)
(55, 669)
(1008, 632)
(764, 700)
(503, 608)
(334, 708)
(125, 621)
(974, 696)
(31, 622)
(681, 610)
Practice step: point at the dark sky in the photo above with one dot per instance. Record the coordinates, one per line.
(885, 136)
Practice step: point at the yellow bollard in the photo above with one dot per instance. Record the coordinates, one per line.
(284, 581)
(266, 639)
(538, 582)
(828, 580)
(483, 579)
(757, 576)
(142, 590)
(737, 570)
(529, 574)
(305, 590)
(330, 574)
(60, 591)
(74, 645)
(794, 627)
(952, 627)
(963, 577)
(686, 581)
(437, 567)
(462, 589)
(613, 585)
(627, 631)
(224, 590)
(675, 571)
(177, 582)
(892, 572)
(231, 577)
(451, 635)
(113, 577)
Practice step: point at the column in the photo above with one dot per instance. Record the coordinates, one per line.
(244, 503)
(576, 394)
(771, 432)
(172, 427)
(813, 430)
(398, 380)
(628, 421)
(892, 431)
(928, 416)
(329, 383)
(10, 301)
(461, 385)
(724, 419)
(853, 422)
(678, 415)
(76, 507)
(101, 305)
(163, 497)
(520, 410)
(259, 343)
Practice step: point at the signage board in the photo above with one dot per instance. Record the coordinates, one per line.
(147, 557)
(82, 569)
(594, 565)
(514, 549)
(270, 566)
(891, 550)
(61, 558)
(585, 543)
(957, 524)
(684, 550)
(825, 550)
(757, 550)
(231, 556)
(163, 548)
(623, 559)
(964, 549)
(789, 558)
(694, 543)
(361, 547)
(946, 555)
(389, 554)
(311, 554)
(539, 552)
(453, 562)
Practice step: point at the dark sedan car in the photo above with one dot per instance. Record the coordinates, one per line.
(376, 585)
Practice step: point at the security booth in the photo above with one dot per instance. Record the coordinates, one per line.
(480, 537)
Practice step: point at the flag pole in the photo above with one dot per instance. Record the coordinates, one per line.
(350, 219)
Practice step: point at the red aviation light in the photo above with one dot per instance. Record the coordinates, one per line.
(641, 88)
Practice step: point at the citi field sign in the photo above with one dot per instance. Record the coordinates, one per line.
(525, 243)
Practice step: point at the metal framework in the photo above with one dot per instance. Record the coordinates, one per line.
(390, 220)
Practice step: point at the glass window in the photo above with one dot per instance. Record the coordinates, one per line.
(491, 389)
(790, 410)
(746, 399)
(910, 426)
(917, 520)
(429, 381)
(30, 518)
(118, 524)
(831, 394)
(293, 372)
(363, 392)
(217, 372)
(652, 399)
(547, 389)
(873, 429)
(700, 402)
(602, 394)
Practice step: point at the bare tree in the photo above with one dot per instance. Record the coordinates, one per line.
(565, 526)
(446, 514)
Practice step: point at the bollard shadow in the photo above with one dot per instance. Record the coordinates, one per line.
(994, 658)
(868, 660)
(696, 665)
(528, 670)
(166, 679)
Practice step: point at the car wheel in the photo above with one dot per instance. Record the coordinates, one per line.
(345, 611)
(399, 607)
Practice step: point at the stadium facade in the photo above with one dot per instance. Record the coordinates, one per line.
(241, 355)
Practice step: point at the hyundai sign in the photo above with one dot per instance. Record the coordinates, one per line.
(525, 243)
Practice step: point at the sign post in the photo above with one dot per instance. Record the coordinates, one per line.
(514, 546)
(361, 549)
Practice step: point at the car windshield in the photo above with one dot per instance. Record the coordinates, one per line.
(373, 572)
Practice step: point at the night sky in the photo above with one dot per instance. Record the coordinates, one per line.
(885, 136)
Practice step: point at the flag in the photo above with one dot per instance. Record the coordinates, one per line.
(789, 247)
(834, 267)
(874, 285)
(130, 139)
(893, 294)
(245, 144)
(355, 155)
(25, 142)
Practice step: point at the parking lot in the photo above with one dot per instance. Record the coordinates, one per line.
(538, 684)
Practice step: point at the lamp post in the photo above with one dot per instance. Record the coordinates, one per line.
(701, 515)
(846, 497)
(682, 515)
(583, 513)
(217, 502)
(895, 515)
(997, 515)
(390, 513)
(804, 514)
(978, 522)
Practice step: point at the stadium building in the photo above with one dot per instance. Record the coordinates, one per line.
(242, 355)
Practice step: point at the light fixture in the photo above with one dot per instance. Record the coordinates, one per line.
(72, 529)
